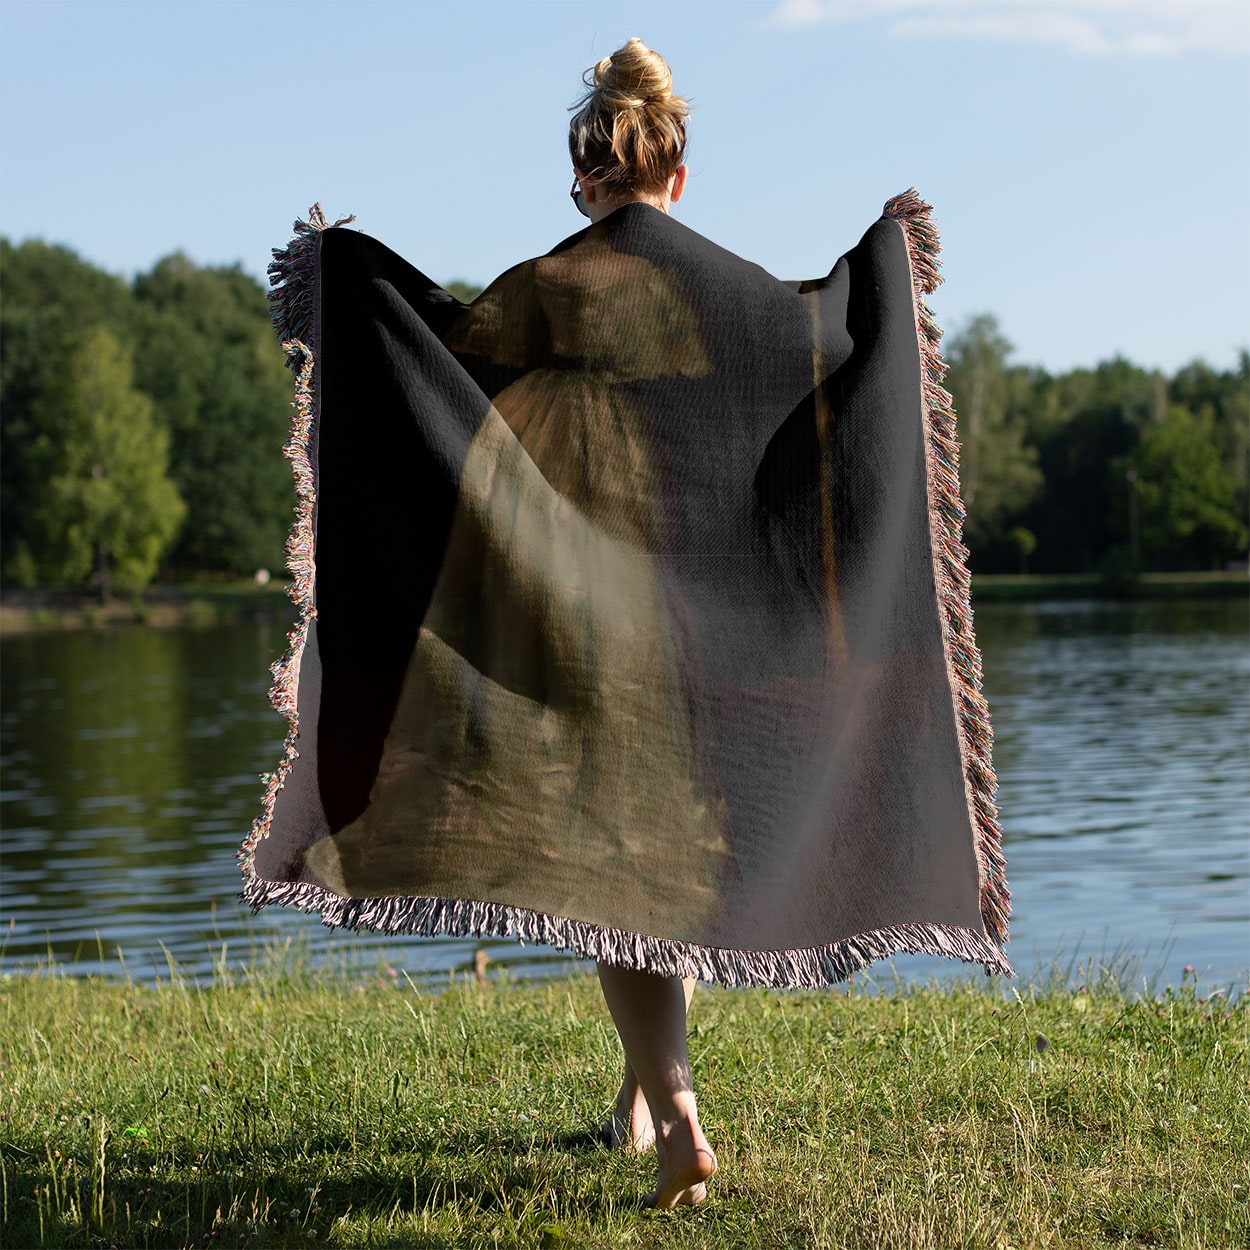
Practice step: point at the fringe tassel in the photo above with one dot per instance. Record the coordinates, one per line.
(294, 303)
(954, 584)
(811, 968)
(295, 297)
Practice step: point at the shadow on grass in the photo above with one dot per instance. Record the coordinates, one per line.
(295, 1194)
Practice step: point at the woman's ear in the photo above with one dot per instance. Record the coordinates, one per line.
(588, 186)
(678, 183)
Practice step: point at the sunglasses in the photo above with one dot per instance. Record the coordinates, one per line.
(576, 196)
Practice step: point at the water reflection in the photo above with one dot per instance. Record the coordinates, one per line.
(131, 761)
(1124, 739)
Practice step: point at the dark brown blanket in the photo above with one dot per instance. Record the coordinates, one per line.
(635, 616)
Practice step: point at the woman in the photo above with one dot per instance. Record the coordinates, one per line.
(628, 143)
(641, 622)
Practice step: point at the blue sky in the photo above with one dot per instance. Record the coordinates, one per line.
(1087, 159)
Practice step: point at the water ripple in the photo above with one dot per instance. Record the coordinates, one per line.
(131, 764)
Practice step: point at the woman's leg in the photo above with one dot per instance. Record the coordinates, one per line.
(629, 1126)
(650, 1015)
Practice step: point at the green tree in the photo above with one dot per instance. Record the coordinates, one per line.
(207, 355)
(1023, 543)
(465, 292)
(51, 297)
(1223, 400)
(103, 506)
(997, 467)
(1088, 422)
(1187, 493)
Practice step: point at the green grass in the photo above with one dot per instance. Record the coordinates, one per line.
(200, 603)
(281, 1108)
(996, 587)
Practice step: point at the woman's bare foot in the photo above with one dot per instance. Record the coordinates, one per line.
(686, 1165)
(629, 1126)
(649, 1011)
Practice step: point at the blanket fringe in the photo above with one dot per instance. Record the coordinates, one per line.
(954, 583)
(810, 968)
(294, 299)
(293, 303)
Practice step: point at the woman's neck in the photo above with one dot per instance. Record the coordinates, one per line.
(602, 207)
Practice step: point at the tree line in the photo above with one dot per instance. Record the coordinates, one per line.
(1114, 470)
(140, 424)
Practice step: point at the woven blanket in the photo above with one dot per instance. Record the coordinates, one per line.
(634, 617)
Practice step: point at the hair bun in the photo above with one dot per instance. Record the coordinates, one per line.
(633, 76)
(629, 129)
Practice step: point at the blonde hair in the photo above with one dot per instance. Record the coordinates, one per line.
(629, 131)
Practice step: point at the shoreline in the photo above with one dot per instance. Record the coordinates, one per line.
(179, 605)
(1005, 587)
(204, 604)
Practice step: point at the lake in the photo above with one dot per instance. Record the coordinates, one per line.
(1122, 745)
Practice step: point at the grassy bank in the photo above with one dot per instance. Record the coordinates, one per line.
(283, 1110)
(988, 587)
(192, 603)
(214, 603)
